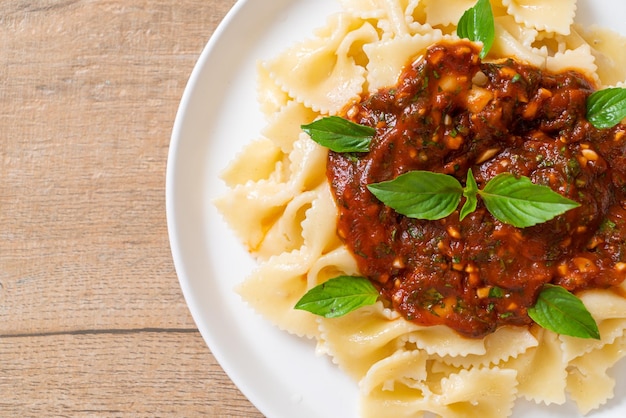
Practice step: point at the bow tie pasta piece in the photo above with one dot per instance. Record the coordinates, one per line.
(396, 22)
(278, 283)
(303, 225)
(541, 370)
(283, 127)
(441, 341)
(608, 51)
(270, 96)
(523, 34)
(354, 350)
(402, 368)
(588, 382)
(402, 402)
(579, 59)
(325, 72)
(553, 16)
(479, 392)
(266, 154)
(335, 262)
(564, 52)
(445, 13)
(394, 18)
(387, 58)
(507, 44)
(390, 14)
(253, 207)
(504, 344)
(275, 286)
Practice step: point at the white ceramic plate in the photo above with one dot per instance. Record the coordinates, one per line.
(218, 114)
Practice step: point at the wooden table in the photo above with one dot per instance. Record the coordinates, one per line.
(92, 319)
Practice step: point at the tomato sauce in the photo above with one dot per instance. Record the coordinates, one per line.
(450, 113)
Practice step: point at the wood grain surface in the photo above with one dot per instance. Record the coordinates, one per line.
(92, 319)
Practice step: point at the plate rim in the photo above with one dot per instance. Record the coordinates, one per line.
(263, 405)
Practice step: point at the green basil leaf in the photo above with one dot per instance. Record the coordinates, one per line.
(606, 108)
(470, 192)
(477, 25)
(560, 311)
(521, 203)
(338, 296)
(420, 194)
(340, 135)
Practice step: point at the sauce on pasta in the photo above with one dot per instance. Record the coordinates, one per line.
(451, 113)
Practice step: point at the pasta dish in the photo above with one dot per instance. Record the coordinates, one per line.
(457, 320)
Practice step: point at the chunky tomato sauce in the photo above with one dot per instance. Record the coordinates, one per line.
(451, 113)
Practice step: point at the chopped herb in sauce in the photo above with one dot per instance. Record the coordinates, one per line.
(476, 272)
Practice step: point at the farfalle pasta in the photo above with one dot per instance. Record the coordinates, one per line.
(281, 206)
(387, 58)
(446, 13)
(553, 16)
(323, 72)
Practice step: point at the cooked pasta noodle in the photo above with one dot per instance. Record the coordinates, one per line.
(280, 205)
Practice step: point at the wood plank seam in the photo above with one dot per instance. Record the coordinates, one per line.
(120, 331)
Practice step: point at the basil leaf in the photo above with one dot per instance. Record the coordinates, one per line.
(477, 25)
(340, 135)
(338, 296)
(420, 194)
(606, 108)
(560, 311)
(521, 203)
(470, 192)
